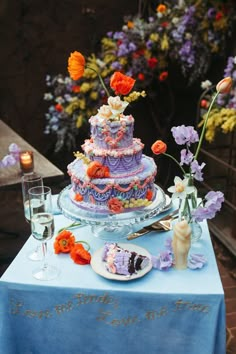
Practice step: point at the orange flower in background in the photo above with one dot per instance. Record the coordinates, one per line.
(58, 107)
(78, 197)
(224, 86)
(64, 242)
(149, 194)
(159, 147)
(163, 76)
(97, 170)
(76, 88)
(161, 8)
(121, 83)
(76, 65)
(130, 24)
(80, 255)
(141, 77)
(115, 205)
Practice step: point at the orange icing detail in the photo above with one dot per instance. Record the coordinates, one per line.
(78, 197)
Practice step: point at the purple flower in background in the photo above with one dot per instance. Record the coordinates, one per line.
(196, 170)
(14, 150)
(123, 50)
(8, 161)
(184, 135)
(211, 12)
(116, 65)
(186, 157)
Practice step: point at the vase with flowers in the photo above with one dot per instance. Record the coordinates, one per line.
(190, 209)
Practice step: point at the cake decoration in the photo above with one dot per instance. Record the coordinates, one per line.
(112, 175)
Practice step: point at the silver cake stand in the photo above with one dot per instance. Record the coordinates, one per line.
(110, 226)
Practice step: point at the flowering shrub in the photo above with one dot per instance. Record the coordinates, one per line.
(223, 116)
(187, 136)
(187, 33)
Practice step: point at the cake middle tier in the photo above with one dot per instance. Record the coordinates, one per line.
(123, 161)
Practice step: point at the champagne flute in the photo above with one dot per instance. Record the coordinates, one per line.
(28, 181)
(42, 227)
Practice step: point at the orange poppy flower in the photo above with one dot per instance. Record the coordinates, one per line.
(80, 255)
(121, 84)
(76, 65)
(78, 197)
(97, 170)
(76, 88)
(149, 194)
(58, 107)
(159, 147)
(64, 242)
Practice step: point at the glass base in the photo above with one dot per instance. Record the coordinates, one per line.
(111, 233)
(46, 273)
(196, 231)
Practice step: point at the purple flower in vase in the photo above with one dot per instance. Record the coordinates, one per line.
(214, 200)
(196, 170)
(186, 157)
(202, 213)
(184, 135)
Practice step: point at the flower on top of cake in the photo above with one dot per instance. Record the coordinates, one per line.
(121, 85)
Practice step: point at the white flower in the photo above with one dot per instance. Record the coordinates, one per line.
(206, 84)
(60, 80)
(48, 96)
(234, 60)
(100, 63)
(59, 100)
(116, 105)
(105, 112)
(181, 188)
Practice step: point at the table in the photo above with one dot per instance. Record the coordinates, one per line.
(80, 312)
(12, 176)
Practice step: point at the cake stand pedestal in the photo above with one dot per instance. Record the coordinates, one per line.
(110, 227)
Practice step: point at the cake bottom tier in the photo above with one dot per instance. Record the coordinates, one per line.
(114, 195)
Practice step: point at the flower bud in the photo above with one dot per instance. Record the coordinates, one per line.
(224, 86)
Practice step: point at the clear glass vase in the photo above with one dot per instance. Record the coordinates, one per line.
(187, 205)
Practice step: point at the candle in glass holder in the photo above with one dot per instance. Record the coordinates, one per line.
(27, 161)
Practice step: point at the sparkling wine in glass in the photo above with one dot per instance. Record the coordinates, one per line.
(42, 227)
(28, 181)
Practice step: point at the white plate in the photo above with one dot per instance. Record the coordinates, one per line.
(99, 266)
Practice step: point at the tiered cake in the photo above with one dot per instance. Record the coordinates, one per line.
(112, 175)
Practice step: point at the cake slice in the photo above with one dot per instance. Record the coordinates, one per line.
(121, 261)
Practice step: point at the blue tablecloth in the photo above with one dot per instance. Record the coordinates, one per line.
(80, 312)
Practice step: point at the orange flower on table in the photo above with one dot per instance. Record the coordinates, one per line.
(115, 205)
(97, 170)
(78, 197)
(121, 84)
(76, 65)
(80, 255)
(64, 242)
(159, 147)
(149, 194)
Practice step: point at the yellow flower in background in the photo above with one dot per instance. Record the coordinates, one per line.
(154, 37)
(93, 95)
(85, 87)
(165, 43)
(72, 107)
(79, 121)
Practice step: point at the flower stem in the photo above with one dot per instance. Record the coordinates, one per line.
(175, 162)
(74, 224)
(204, 126)
(101, 80)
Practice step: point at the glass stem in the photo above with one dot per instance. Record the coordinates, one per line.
(44, 248)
